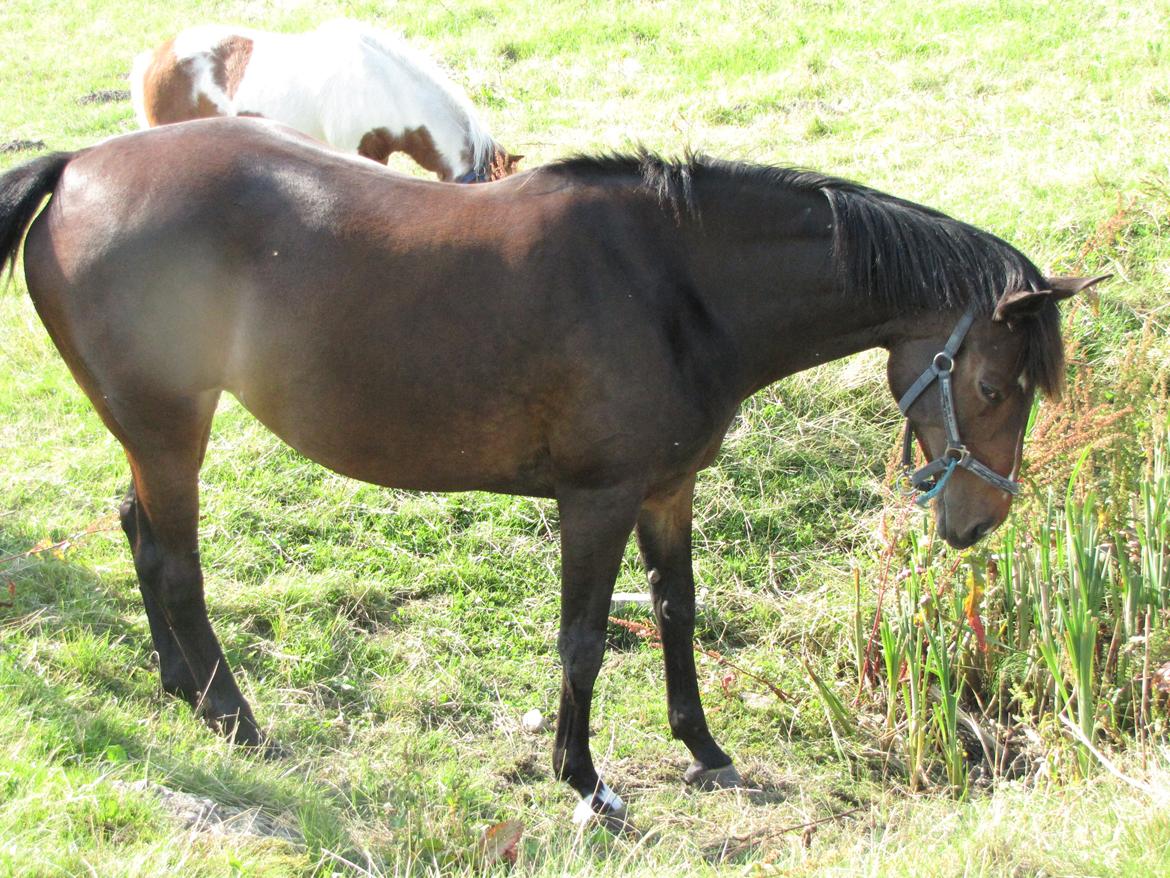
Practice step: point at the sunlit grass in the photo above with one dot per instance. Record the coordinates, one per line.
(392, 640)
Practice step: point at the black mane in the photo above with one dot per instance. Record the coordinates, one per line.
(906, 255)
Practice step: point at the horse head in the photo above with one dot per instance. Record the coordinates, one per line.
(965, 384)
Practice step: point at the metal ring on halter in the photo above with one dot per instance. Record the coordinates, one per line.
(947, 358)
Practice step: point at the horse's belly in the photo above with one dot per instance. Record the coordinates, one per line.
(436, 450)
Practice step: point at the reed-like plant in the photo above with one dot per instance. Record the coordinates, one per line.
(1076, 601)
(942, 663)
(1081, 602)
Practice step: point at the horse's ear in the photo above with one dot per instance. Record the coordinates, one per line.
(1027, 303)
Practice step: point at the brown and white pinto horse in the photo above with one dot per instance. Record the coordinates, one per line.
(584, 331)
(345, 84)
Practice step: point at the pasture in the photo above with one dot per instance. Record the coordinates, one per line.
(392, 641)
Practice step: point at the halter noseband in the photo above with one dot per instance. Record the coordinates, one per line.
(475, 175)
(931, 478)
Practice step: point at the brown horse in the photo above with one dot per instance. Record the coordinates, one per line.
(584, 331)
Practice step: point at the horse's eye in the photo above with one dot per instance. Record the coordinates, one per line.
(989, 392)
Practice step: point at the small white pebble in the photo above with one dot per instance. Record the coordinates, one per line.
(532, 722)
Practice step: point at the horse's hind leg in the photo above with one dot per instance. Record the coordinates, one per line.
(164, 443)
(664, 537)
(176, 676)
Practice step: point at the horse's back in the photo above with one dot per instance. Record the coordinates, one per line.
(224, 254)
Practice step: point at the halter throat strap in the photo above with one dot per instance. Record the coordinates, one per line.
(931, 478)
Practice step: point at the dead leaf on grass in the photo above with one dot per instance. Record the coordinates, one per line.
(499, 842)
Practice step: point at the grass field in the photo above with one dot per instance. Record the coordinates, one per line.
(392, 640)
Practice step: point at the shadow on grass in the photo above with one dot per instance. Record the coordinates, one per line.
(65, 646)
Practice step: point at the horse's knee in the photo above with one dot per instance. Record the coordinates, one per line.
(581, 654)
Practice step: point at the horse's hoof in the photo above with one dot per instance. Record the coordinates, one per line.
(258, 744)
(607, 808)
(271, 751)
(725, 778)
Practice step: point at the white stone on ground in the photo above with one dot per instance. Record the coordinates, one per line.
(532, 722)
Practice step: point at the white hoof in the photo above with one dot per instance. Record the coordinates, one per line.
(603, 805)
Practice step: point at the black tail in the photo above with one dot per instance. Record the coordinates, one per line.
(21, 192)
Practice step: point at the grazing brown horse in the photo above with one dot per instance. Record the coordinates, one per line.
(584, 331)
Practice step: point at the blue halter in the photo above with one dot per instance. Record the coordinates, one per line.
(932, 478)
(475, 175)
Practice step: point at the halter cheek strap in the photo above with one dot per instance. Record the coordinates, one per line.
(932, 478)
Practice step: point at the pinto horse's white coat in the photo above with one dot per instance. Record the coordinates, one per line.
(336, 84)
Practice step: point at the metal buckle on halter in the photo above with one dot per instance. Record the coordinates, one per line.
(946, 358)
(958, 453)
(919, 485)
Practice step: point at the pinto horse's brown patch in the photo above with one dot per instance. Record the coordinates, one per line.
(168, 90)
(417, 143)
(229, 61)
(171, 87)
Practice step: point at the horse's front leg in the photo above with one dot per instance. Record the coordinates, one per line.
(595, 527)
(664, 537)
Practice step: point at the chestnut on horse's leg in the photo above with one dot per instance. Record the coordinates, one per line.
(595, 527)
(664, 537)
(164, 443)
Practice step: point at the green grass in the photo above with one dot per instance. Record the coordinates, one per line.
(391, 641)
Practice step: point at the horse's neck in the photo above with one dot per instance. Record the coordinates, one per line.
(768, 273)
(431, 103)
